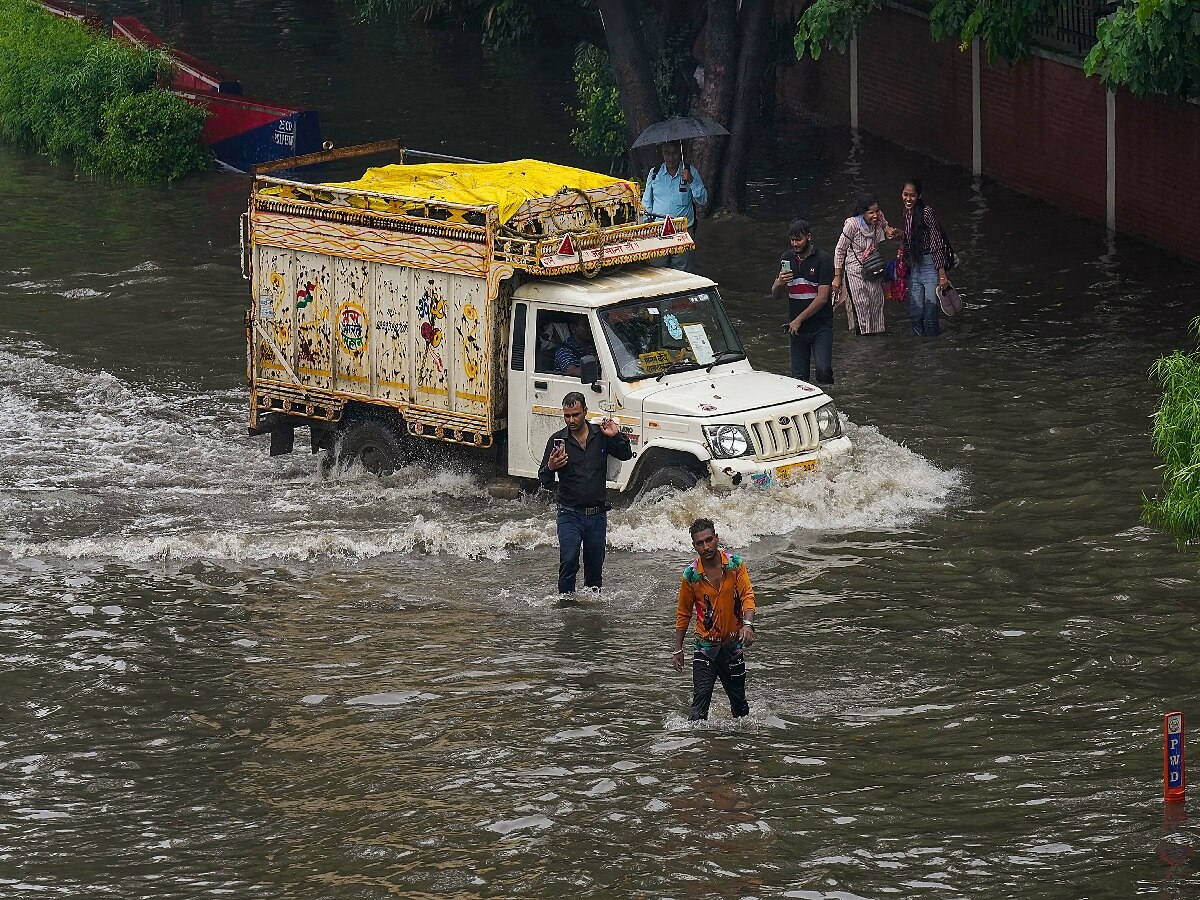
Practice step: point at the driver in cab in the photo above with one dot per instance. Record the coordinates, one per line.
(570, 354)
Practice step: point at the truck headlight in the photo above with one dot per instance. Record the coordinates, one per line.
(727, 441)
(829, 425)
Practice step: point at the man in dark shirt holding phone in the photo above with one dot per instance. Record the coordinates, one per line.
(578, 457)
(806, 274)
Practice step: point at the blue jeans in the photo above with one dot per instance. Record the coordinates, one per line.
(816, 344)
(575, 530)
(922, 299)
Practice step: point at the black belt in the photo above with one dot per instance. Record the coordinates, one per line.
(584, 510)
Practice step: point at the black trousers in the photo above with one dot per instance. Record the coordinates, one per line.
(724, 661)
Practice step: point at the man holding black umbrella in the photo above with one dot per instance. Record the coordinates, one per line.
(673, 188)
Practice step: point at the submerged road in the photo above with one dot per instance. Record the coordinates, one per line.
(226, 673)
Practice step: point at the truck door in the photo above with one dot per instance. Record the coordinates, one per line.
(560, 341)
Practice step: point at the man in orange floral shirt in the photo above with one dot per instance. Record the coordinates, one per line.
(717, 589)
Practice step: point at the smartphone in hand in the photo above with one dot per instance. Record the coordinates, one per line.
(560, 445)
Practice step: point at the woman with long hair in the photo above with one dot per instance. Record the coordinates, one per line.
(861, 235)
(925, 255)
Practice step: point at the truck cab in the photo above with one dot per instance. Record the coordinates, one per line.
(660, 357)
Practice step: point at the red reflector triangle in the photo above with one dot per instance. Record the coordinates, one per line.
(567, 248)
(668, 227)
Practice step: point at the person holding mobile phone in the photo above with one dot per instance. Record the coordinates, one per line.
(577, 459)
(805, 277)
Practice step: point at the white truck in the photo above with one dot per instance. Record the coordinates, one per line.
(429, 302)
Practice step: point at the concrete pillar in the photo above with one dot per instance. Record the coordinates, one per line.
(976, 114)
(1111, 163)
(854, 82)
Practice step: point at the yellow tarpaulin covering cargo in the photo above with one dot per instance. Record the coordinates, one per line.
(507, 184)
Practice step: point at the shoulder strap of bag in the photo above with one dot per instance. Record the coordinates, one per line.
(865, 252)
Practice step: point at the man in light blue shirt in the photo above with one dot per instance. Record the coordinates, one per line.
(673, 189)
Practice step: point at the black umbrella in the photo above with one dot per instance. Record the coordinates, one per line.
(679, 128)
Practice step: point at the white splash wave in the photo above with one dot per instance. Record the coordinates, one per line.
(95, 467)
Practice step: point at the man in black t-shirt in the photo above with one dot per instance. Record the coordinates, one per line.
(805, 276)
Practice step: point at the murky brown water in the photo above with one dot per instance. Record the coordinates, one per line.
(226, 674)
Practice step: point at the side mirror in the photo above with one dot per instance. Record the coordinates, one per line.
(589, 370)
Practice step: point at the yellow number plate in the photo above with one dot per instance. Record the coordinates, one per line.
(784, 473)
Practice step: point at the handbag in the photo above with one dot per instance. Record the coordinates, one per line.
(873, 265)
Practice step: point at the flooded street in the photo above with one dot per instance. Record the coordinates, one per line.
(227, 674)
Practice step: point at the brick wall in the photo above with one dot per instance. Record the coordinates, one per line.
(1043, 124)
(911, 90)
(1158, 178)
(1044, 130)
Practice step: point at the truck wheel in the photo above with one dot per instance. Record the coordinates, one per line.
(377, 445)
(678, 477)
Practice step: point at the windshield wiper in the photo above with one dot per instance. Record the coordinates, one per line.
(677, 366)
(717, 359)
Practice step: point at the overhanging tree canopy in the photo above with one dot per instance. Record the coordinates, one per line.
(708, 56)
(1147, 46)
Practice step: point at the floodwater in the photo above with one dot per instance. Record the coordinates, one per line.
(226, 674)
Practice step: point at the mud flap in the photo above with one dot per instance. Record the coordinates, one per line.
(283, 439)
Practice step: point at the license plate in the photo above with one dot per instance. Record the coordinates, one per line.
(784, 473)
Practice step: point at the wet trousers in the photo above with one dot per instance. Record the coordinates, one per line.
(710, 662)
(923, 307)
(575, 530)
(813, 344)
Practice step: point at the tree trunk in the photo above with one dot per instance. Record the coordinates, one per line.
(716, 94)
(635, 81)
(755, 27)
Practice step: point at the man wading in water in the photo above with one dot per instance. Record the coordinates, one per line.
(578, 456)
(717, 588)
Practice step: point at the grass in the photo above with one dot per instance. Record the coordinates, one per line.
(1176, 439)
(71, 93)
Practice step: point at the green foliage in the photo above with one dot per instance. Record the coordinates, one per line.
(830, 23)
(674, 56)
(1002, 27)
(139, 142)
(1176, 439)
(948, 18)
(1150, 46)
(601, 130)
(504, 22)
(68, 92)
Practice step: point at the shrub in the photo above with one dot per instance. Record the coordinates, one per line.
(68, 92)
(140, 137)
(601, 130)
(1176, 439)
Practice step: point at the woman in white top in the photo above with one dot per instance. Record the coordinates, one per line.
(861, 235)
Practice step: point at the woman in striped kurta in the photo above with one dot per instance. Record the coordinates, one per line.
(861, 234)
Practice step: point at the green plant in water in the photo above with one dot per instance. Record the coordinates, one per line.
(1176, 439)
(139, 144)
(68, 92)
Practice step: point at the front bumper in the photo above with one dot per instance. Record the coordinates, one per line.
(746, 471)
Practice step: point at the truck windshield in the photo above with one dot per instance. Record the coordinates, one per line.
(686, 331)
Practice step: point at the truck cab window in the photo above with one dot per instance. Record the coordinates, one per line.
(680, 332)
(564, 340)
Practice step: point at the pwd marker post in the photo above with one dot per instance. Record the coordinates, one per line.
(1174, 776)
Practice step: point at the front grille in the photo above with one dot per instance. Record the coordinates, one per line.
(784, 436)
